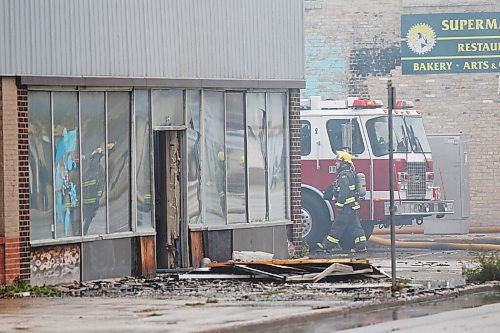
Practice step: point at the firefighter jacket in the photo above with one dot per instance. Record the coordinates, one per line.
(344, 189)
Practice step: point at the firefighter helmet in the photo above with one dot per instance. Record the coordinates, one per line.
(344, 156)
(220, 155)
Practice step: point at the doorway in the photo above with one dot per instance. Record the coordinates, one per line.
(170, 231)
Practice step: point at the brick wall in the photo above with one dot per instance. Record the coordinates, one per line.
(295, 177)
(352, 48)
(10, 266)
(24, 193)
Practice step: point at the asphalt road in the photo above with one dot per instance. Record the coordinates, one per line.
(250, 309)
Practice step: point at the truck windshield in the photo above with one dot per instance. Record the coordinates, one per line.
(378, 133)
(416, 135)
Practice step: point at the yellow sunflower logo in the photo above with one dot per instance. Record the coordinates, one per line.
(421, 38)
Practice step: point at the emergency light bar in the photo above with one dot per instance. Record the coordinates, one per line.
(366, 104)
(404, 105)
(317, 103)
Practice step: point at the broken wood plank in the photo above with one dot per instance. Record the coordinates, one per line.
(210, 276)
(331, 268)
(293, 262)
(258, 271)
(287, 267)
(310, 277)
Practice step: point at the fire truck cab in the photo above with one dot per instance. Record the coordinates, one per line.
(361, 128)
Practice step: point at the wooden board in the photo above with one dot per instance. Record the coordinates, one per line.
(293, 262)
(148, 266)
(196, 243)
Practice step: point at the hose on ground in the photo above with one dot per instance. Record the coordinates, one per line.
(435, 245)
(420, 230)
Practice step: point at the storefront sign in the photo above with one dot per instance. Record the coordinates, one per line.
(450, 43)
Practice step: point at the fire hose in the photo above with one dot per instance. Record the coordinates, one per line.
(417, 230)
(435, 245)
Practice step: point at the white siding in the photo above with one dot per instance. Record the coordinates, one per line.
(205, 39)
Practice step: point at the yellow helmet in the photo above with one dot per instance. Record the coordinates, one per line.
(220, 155)
(344, 156)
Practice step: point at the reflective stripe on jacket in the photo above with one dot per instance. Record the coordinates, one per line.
(345, 190)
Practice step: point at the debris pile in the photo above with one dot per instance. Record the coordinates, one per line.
(296, 270)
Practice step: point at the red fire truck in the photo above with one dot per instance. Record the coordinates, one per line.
(361, 127)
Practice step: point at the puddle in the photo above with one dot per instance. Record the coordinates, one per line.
(354, 320)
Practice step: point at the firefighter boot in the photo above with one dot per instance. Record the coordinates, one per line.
(330, 244)
(360, 245)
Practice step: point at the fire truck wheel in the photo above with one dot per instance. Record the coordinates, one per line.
(315, 220)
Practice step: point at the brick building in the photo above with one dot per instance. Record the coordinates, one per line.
(353, 47)
(143, 135)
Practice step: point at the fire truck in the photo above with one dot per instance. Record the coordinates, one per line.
(361, 128)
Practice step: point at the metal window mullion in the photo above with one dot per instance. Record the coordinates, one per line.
(286, 143)
(202, 156)
(225, 160)
(78, 99)
(151, 165)
(107, 157)
(245, 152)
(54, 208)
(133, 141)
(266, 132)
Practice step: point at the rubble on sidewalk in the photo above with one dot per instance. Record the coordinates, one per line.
(298, 270)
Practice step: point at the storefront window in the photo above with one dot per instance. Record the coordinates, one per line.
(215, 165)
(193, 156)
(66, 164)
(40, 166)
(256, 156)
(235, 160)
(93, 161)
(276, 111)
(118, 152)
(168, 107)
(143, 161)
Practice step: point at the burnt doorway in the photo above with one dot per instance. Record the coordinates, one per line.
(170, 231)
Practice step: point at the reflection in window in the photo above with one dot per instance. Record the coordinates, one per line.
(378, 134)
(143, 161)
(276, 148)
(40, 166)
(193, 159)
(167, 107)
(118, 149)
(214, 169)
(256, 156)
(305, 138)
(66, 164)
(235, 157)
(93, 161)
(334, 129)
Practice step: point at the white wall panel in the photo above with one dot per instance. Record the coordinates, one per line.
(206, 39)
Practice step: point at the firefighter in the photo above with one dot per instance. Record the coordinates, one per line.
(92, 188)
(346, 224)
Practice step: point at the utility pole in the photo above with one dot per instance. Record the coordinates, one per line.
(391, 96)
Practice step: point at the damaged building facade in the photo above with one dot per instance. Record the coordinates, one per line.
(144, 135)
